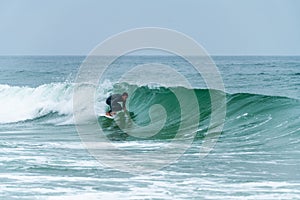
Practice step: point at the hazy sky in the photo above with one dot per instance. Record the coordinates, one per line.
(222, 27)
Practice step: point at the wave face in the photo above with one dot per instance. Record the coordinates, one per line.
(247, 114)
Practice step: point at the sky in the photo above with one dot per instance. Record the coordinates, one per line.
(222, 27)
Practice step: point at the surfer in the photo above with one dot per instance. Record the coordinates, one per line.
(114, 103)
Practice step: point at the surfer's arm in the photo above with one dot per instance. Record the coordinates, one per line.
(124, 105)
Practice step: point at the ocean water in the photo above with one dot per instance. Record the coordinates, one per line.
(257, 155)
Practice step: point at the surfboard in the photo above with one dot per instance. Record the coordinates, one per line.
(107, 116)
(117, 115)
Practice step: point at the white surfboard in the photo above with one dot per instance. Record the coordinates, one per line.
(107, 116)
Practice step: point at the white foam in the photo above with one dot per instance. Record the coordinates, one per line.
(25, 103)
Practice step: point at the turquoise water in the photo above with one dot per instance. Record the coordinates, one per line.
(256, 156)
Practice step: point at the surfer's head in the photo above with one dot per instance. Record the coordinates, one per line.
(124, 96)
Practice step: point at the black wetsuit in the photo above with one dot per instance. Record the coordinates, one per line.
(113, 102)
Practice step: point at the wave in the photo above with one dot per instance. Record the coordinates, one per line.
(53, 103)
(246, 113)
